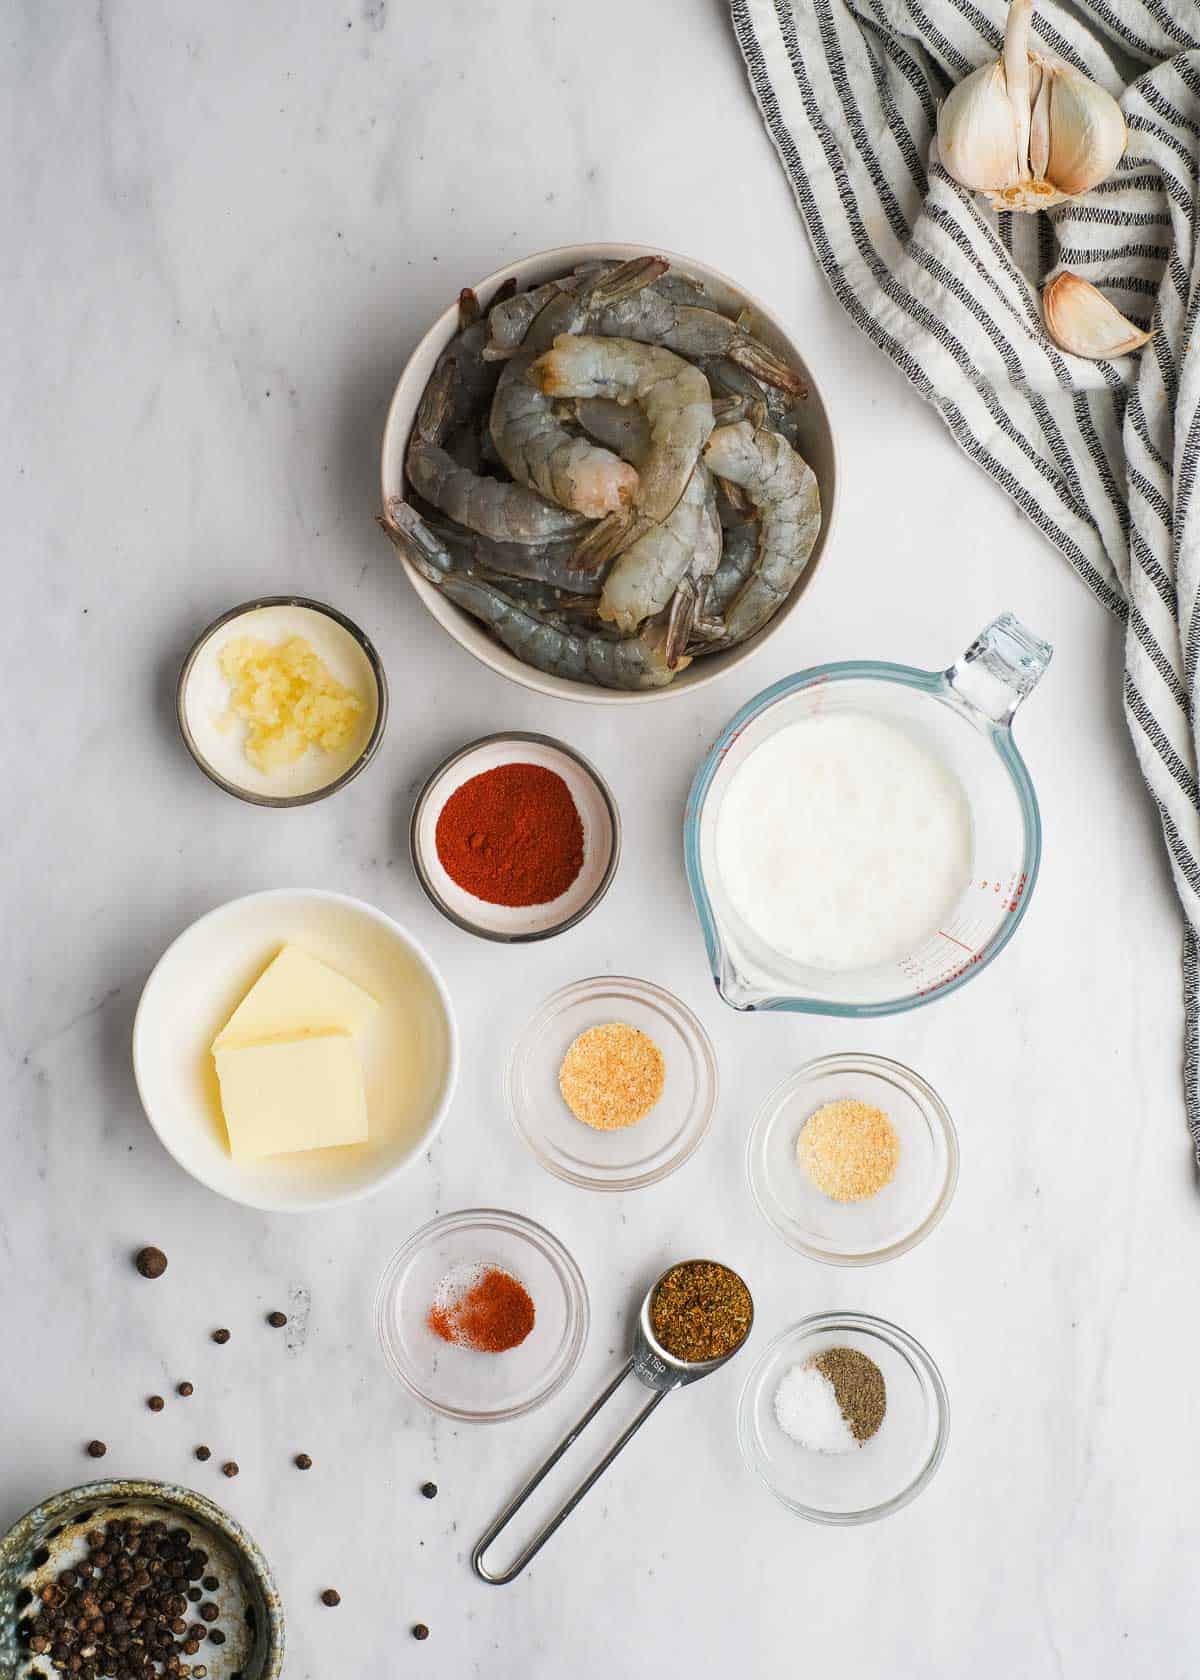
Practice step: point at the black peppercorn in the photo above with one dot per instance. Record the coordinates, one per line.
(216, 1637)
(209, 1612)
(302, 1461)
(156, 1402)
(96, 1449)
(185, 1389)
(429, 1489)
(220, 1337)
(204, 1454)
(150, 1262)
(277, 1320)
(331, 1596)
(420, 1631)
(230, 1469)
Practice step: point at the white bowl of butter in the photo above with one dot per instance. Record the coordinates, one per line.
(294, 1049)
(282, 701)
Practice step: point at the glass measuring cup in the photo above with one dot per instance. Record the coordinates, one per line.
(963, 718)
(658, 1371)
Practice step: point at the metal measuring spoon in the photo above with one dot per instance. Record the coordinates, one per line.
(652, 1365)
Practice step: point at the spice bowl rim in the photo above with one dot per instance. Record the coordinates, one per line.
(933, 1106)
(566, 1268)
(282, 802)
(416, 851)
(901, 1342)
(174, 1496)
(703, 1109)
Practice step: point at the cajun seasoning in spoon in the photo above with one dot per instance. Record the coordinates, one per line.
(700, 1310)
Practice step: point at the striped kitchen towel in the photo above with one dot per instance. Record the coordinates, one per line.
(1101, 456)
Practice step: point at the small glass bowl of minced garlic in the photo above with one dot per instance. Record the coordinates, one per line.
(853, 1159)
(282, 701)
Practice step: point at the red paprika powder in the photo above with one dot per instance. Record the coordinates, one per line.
(511, 835)
(493, 1314)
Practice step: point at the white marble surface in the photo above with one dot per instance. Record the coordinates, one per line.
(226, 227)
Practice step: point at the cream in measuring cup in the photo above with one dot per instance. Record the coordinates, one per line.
(842, 843)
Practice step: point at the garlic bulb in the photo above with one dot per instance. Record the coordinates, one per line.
(1029, 130)
(1081, 320)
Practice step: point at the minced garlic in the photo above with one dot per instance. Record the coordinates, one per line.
(287, 698)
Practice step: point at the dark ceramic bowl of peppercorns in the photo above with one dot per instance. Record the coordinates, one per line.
(134, 1579)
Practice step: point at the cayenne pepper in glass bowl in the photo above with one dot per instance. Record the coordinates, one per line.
(527, 1340)
(515, 837)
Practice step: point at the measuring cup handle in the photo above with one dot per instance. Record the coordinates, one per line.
(1002, 665)
(543, 1470)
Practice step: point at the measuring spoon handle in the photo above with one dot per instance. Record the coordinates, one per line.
(564, 1511)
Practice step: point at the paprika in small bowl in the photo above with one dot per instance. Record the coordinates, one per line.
(515, 837)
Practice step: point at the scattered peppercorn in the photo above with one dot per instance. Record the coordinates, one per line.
(302, 1461)
(209, 1612)
(230, 1469)
(420, 1631)
(429, 1489)
(210, 1583)
(194, 1595)
(150, 1262)
(220, 1337)
(96, 1449)
(186, 1389)
(331, 1596)
(216, 1637)
(204, 1454)
(156, 1402)
(277, 1320)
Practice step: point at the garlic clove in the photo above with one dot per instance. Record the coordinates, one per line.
(977, 137)
(1083, 322)
(1087, 133)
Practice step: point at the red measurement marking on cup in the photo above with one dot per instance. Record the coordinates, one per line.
(957, 942)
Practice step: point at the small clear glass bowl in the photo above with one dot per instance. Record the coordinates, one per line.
(461, 1382)
(636, 1155)
(895, 1218)
(883, 1474)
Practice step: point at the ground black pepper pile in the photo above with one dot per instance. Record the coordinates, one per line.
(121, 1610)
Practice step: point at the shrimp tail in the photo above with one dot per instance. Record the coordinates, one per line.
(754, 356)
(436, 408)
(407, 531)
(610, 285)
(605, 539)
(468, 309)
(681, 615)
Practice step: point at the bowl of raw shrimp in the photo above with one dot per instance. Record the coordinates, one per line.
(630, 508)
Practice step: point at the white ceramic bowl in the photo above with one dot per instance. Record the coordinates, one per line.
(816, 443)
(410, 1053)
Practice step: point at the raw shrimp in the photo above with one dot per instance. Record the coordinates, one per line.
(783, 488)
(548, 563)
(539, 451)
(664, 567)
(673, 395)
(653, 318)
(595, 291)
(646, 576)
(509, 321)
(507, 512)
(636, 662)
